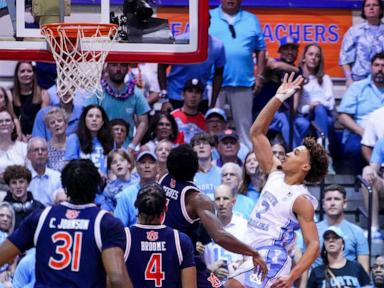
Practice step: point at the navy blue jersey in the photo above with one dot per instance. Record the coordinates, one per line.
(177, 216)
(156, 255)
(69, 240)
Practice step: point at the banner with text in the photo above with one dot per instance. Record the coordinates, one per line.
(324, 26)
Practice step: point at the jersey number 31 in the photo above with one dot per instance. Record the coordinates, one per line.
(69, 250)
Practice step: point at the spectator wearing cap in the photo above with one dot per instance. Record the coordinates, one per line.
(356, 245)
(208, 175)
(217, 122)
(378, 272)
(243, 37)
(228, 148)
(188, 118)
(172, 85)
(337, 271)
(146, 165)
(274, 71)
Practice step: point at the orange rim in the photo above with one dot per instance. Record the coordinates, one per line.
(71, 29)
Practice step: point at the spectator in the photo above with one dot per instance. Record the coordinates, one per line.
(253, 178)
(163, 148)
(6, 105)
(362, 41)
(337, 271)
(231, 24)
(119, 165)
(24, 276)
(218, 260)
(378, 272)
(162, 126)
(73, 111)
(373, 174)
(208, 176)
(373, 131)
(274, 71)
(188, 118)
(18, 178)
(93, 139)
(356, 245)
(217, 122)
(119, 130)
(172, 85)
(278, 149)
(125, 101)
(176, 253)
(7, 223)
(231, 175)
(27, 96)
(45, 181)
(317, 101)
(360, 99)
(146, 165)
(11, 151)
(228, 148)
(56, 120)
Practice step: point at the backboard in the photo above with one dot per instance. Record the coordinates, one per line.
(177, 32)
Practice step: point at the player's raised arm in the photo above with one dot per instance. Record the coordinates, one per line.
(206, 212)
(259, 129)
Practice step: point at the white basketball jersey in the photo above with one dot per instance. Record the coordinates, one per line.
(272, 221)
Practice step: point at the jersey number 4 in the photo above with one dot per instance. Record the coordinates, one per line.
(153, 271)
(68, 249)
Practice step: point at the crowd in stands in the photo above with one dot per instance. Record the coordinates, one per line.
(148, 109)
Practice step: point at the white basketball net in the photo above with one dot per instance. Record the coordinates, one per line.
(79, 57)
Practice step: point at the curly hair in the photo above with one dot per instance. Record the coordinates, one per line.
(318, 158)
(182, 162)
(16, 172)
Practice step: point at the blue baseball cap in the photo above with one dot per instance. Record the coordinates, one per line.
(216, 111)
(288, 40)
(194, 83)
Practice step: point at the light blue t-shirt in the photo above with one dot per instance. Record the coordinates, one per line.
(238, 69)
(134, 105)
(73, 151)
(355, 242)
(181, 73)
(378, 152)
(207, 182)
(360, 99)
(243, 206)
(111, 192)
(24, 276)
(125, 208)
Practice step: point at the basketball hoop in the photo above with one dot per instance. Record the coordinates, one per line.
(79, 50)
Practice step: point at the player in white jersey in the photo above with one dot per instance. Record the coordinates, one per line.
(285, 203)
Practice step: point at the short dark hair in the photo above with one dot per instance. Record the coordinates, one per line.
(151, 200)
(362, 9)
(16, 172)
(336, 187)
(81, 181)
(182, 163)
(119, 121)
(377, 56)
(203, 137)
(318, 158)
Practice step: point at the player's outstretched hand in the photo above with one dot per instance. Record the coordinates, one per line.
(260, 266)
(283, 282)
(289, 86)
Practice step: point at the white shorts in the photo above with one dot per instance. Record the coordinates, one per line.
(278, 262)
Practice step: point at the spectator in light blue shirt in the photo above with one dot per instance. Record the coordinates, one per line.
(231, 175)
(208, 176)
(45, 181)
(24, 276)
(146, 165)
(360, 99)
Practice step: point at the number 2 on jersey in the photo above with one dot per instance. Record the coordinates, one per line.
(65, 243)
(153, 271)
